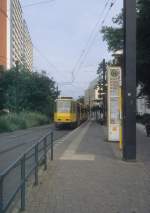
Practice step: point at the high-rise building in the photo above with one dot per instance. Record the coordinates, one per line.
(16, 42)
(27, 47)
(3, 33)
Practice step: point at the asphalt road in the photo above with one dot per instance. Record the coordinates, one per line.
(12, 145)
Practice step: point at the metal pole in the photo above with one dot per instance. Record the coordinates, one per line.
(52, 139)
(45, 153)
(1, 194)
(104, 95)
(36, 165)
(23, 199)
(129, 81)
(89, 104)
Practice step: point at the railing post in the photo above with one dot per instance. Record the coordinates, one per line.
(23, 183)
(1, 194)
(45, 153)
(36, 165)
(52, 139)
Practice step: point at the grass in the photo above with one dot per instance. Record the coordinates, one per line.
(22, 120)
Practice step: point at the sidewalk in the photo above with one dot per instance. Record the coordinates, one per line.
(88, 176)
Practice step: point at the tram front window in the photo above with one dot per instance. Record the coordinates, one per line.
(63, 106)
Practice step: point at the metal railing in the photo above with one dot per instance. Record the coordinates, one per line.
(13, 180)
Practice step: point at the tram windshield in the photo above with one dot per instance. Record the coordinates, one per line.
(63, 106)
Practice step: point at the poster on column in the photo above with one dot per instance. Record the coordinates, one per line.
(114, 82)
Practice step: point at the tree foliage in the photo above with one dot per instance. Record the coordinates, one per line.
(100, 74)
(114, 38)
(114, 35)
(81, 99)
(143, 45)
(21, 90)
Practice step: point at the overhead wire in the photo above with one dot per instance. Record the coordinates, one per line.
(44, 57)
(48, 61)
(85, 52)
(34, 46)
(51, 64)
(91, 44)
(38, 3)
(89, 39)
(111, 5)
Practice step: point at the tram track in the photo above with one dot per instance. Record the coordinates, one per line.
(12, 145)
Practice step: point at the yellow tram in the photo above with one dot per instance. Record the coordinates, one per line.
(69, 112)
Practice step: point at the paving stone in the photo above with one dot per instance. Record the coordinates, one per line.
(102, 184)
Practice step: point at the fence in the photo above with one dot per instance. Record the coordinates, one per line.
(13, 180)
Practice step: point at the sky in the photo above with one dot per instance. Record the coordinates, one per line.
(60, 32)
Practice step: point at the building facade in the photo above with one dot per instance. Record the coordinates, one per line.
(18, 44)
(3, 33)
(142, 103)
(92, 96)
(27, 47)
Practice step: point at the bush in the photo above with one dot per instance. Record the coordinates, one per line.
(139, 118)
(22, 120)
(143, 118)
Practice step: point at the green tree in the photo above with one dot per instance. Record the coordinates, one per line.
(81, 99)
(143, 45)
(114, 35)
(114, 38)
(100, 74)
(22, 90)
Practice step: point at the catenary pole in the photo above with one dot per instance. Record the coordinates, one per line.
(104, 91)
(129, 81)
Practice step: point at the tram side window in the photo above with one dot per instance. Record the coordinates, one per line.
(78, 109)
(73, 107)
(55, 108)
